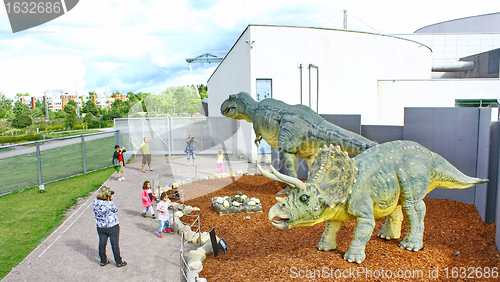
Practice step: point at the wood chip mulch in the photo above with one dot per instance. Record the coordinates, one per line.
(458, 245)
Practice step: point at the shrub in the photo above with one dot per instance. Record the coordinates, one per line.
(21, 121)
(55, 128)
(19, 139)
(96, 123)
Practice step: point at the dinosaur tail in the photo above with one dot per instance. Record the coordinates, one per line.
(445, 175)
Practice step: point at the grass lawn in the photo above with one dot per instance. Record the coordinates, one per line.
(27, 217)
(21, 171)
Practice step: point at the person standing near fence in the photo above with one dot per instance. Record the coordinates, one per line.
(108, 225)
(119, 162)
(190, 148)
(220, 162)
(146, 154)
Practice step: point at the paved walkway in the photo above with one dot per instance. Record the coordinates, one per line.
(70, 252)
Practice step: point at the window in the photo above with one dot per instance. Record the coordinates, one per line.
(476, 103)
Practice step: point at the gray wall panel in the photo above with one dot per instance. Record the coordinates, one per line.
(483, 156)
(494, 169)
(382, 133)
(348, 122)
(452, 133)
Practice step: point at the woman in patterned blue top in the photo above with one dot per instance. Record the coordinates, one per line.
(108, 225)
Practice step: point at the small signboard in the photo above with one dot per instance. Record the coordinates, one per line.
(216, 247)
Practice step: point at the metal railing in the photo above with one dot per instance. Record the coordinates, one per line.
(40, 162)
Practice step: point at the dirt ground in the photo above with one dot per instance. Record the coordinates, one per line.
(458, 245)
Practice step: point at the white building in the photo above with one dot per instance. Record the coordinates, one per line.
(347, 72)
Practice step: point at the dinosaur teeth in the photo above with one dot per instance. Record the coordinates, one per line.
(338, 148)
(345, 154)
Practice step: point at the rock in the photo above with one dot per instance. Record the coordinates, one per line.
(205, 237)
(194, 238)
(206, 248)
(178, 214)
(187, 210)
(193, 276)
(178, 225)
(184, 229)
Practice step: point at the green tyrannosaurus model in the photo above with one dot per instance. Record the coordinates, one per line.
(295, 130)
(390, 180)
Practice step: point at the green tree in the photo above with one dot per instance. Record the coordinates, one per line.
(5, 103)
(88, 118)
(119, 108)
(21, 108)
(70, 119)
(39, 110)
(3, 112)
(90, 107)
(202, 89)
(21, 121)
(22, 95)
(175, 100)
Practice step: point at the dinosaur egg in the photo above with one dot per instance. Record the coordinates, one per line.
(219, 200)
(251, 203)
(226, 204)
(236, 204)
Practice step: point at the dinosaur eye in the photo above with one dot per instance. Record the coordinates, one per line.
(304, 198)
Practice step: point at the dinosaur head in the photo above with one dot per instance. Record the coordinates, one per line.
(239, 106)
(328, 185)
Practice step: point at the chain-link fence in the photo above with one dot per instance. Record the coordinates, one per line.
(168, 135)
(36, 163)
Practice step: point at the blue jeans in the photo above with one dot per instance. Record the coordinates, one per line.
(191, 154)
(163, 225)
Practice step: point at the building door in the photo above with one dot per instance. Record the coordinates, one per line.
(264, 91)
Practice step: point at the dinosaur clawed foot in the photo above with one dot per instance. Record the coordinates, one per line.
(357, 256)
(412, 243)
(327, 246)
(388, 233)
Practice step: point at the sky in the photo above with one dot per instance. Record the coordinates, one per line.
(142, 46)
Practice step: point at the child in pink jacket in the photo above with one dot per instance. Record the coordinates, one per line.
(147, 199)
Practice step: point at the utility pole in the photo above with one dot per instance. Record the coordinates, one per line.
(345, 19)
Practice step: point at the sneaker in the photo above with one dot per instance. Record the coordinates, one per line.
(144, 214)
(160, 235)
(123, 179)
(153, 216)
(120, 179)
(168, 230)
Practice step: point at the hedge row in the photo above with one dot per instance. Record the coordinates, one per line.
(17, 139)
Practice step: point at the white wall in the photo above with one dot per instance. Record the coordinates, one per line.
(233, 76)
(394, 96)
(350, 63)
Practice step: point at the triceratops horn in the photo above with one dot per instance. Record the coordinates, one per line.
(268, 175)
(291, 181)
